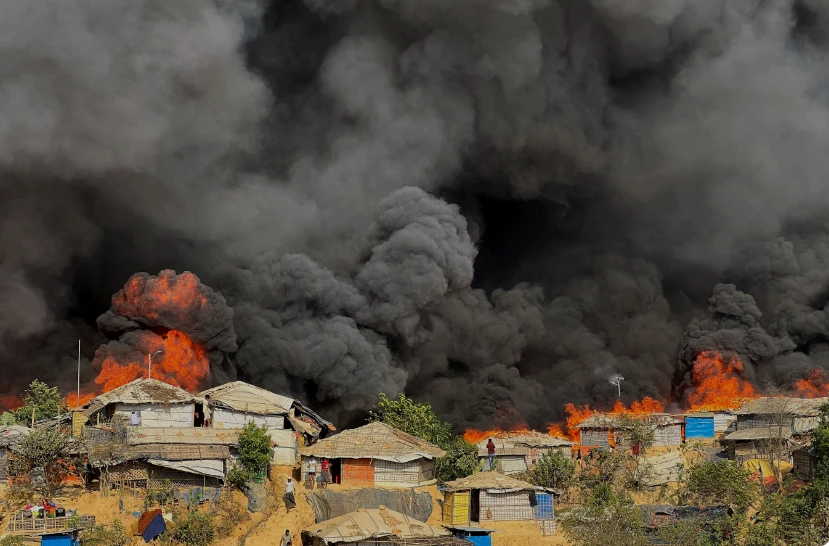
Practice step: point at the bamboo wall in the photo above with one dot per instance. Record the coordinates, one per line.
(506, 506)
(456, 508)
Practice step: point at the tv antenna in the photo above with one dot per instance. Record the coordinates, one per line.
(618, 382)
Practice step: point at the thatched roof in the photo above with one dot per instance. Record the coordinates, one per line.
(241, 396)
(374, 441)
(799, 407)
(603, 420)
(763, 433)
(141, 391)
(489, 480)
(365, 524)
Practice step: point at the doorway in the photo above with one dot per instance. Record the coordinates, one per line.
(198, 416)
(475, 506)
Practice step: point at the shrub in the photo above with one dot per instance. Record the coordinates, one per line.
(605, 519)
(255, 452)
(193, 528)
(719, 482)
(101, 535)
(229, 514)
(238, 476)
(553, 469)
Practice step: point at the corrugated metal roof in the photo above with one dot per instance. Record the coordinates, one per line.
(141, 391)
(759, 434)
(372, 523)
(241, 396)
(603, 420)
(488, 480)
(375, 440)
(182, 435)
(802, 407)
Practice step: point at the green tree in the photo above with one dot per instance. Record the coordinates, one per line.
(719, 482)
(54, 451)
(255, 451)
(605, 519)
(553, 469)
(45, 400)
(419, 419)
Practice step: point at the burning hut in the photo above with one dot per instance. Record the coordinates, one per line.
(771, 428)
(158, 404)
(235, 404)
(375, 527)
(518, 452)
(490, 496)
(604, 430)
(10, 437)
(376, 454)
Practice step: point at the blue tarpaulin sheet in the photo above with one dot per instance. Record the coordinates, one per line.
(544, 508)
(699, 427)
(156, 527)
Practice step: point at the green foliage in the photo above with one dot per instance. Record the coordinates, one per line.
(238, 476)
(553, 469)
(51, 449)
(193, 528)
(101, 535)
(761, 534)
(12, 540)
(420, 420)
(602, 467)
(8, 418)
(45, 400)
(229, 514)
(255, 452)
(686, 532)
(719, 482)
(637, 431)
(461, 460)
(605, 519)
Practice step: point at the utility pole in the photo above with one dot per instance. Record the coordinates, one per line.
(150, 363)
(618, 383)
(78, 399)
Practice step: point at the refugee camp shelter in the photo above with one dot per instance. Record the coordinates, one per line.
(516, 453)
(158, 404)
(490, 496)
(604, 430)
(699, 426)
(805, 463)
(801, 415)
(758, 443)
(10, 438)
(61, 539)
(375, 454)
(375, 527)
(235, 404)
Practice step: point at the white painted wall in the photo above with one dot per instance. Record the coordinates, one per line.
(223, 418)
(159, 415)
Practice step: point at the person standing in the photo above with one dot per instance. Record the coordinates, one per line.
(135, 420)
(312, 473)
(286, 538)
(290, 500)
(326, 473)
(490, 453)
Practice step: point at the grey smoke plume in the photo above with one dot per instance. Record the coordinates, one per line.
(489, 204)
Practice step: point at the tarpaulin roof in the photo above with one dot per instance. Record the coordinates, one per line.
(141, 391)
(183, 435)
(248, 398)
(372, 523)
(489, 480)
(374, 441)
(204, 467)
(760, 433)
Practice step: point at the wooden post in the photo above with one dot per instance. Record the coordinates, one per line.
(33, 417)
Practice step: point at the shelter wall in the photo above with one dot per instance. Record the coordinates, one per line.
(761, 421)
(456, 507)
(143, 474)
(804, 465)
(159, 415)
(669, 435)
(4, 463)
(506, 506)
(699, 427)
(225, 418)
(722, 421)
(358, 472)
(594, 437)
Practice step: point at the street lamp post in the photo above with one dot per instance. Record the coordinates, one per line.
(150, 363)
(618, 383)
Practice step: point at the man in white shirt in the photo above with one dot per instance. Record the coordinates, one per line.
(312, 473)
(135, 420)
(290, 500)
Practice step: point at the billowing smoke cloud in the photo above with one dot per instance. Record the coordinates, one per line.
(494, 205)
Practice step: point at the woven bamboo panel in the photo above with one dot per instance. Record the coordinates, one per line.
(128, 472)
(456, 508)
(548, 527)
(593, 437)
(396, 473)
(506, 506)
(358, 471)
(427, 470)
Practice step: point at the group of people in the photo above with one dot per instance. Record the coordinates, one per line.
(325, 477)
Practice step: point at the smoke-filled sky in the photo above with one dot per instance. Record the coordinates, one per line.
(492, 205)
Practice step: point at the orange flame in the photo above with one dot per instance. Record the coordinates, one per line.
(10, 402)
(814, 385)
(474, 436)
(152, 297)
(578, 414)
(71, 401)
(718, 383)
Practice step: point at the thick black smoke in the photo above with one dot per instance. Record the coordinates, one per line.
(494, 205)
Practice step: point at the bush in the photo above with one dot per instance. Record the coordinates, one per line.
(255, 452)
(605, 519)
(194, 528)
(238, 476)
(553, 469)
(101, 535)
(461, 460)
(228, 515)
(12, 541)
(719, 482)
